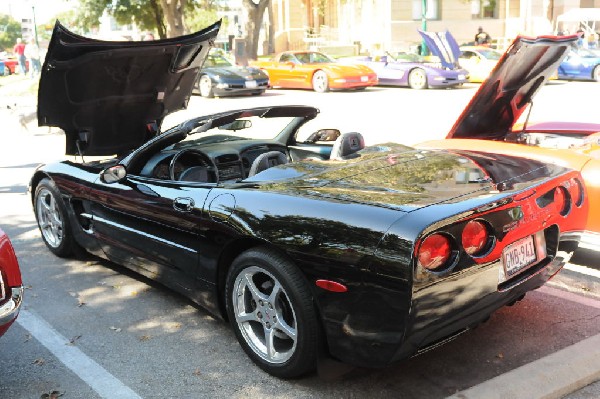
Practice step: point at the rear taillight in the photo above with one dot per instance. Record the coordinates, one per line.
(576, 190)
(562, 200)
(434, 251)
(475, 237)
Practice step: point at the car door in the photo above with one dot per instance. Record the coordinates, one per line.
(153, 225)
(571, 66)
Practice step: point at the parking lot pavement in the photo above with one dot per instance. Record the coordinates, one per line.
(546, 346)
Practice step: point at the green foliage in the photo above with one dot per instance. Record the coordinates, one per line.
(201, 18)
(10, 30)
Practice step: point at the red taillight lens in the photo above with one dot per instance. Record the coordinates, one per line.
(434, 251)
(474, 237)
(576, 189)
(562, 201)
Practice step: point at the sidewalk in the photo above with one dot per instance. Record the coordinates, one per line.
(571, 373)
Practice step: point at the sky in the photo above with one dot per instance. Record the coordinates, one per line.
(45, 10)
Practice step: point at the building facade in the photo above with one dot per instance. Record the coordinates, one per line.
(364, 25)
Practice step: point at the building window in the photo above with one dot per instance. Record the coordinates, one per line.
(484, 9)
(432, 11)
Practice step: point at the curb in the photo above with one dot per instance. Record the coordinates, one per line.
(551, 377)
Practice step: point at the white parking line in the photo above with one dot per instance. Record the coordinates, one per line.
(97, 378)
(569, 296)
(583, 270)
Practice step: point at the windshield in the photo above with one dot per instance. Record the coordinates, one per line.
(313, 58)
(490, 54)
(216, 61)
(246, 128)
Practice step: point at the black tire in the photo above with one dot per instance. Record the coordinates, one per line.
(417, 79)
(286, 315)
(6, 71)
(205, 86)
(52, 219)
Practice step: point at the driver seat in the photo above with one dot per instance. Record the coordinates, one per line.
(266, 160)
(346, 146)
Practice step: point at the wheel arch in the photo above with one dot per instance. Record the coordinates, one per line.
(35, 180)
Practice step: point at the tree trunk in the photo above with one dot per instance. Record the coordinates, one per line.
(158, 15)
(271, 37)
(255, 14)
(173, 10)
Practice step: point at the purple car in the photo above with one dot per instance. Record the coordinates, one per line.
(419, 74)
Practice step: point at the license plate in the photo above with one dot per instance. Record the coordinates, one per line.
(461, 77)
(251, 84)
(364, 78)
(518, 255)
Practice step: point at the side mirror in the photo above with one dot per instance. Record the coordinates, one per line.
(113, 174)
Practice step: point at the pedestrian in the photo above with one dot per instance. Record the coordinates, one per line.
(482, 38)
(19, 52)
(32, 52)
(148, 36)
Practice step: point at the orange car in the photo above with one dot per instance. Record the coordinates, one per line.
(493, 112)
(314, 70)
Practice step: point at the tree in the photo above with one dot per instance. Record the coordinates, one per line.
(10, 30)
(166, 17)
(255, 13)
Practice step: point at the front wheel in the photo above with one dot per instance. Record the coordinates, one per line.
(417, 79)
(320, 82)
(270, 308)
(596, 73)
(205, 87)
(52, 219)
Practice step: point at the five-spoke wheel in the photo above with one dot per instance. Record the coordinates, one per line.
(417, 79)
(320, 82)
(51, 216)
(270, 308)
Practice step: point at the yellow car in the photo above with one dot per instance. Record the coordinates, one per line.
(479, 61)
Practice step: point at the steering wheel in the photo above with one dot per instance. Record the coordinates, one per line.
(207, 163)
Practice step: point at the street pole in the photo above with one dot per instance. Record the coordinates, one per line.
(35, 26)
(423, 25)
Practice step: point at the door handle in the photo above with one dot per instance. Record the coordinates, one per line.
(183, 204)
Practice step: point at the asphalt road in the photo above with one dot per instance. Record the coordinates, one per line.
(91, 329)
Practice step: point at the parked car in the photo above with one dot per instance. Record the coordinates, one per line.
(220, 77)
(580, 64)
(309, 243)
(499, 104)
(411, 70)
(479, 61)
(316, 71)
(11, 66)
(11, 286)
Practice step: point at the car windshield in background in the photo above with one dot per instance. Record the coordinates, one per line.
(490, 54)
(313, 58)
(216, 61)
(247, 128)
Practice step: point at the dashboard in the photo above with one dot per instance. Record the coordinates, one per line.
(208, 163)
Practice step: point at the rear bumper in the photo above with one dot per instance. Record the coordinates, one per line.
(10, 310)
(442, 311)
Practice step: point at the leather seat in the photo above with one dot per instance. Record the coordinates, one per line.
(267, 160)
(346, 146)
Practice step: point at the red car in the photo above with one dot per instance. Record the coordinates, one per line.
(11, 66)
(11, 286)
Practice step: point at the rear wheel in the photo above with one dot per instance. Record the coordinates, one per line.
(52, 219)
(596, 73)
(417, 79)
(320, 82)
(205, 87)
(271, 310)
(6, 71)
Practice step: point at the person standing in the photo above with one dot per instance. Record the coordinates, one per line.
(482, 38)
(19, 51)
(32, 52)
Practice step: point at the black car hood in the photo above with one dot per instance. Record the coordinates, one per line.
(110, 97)
(523, 69)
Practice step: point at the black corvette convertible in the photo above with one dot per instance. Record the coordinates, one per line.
(308, 243)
